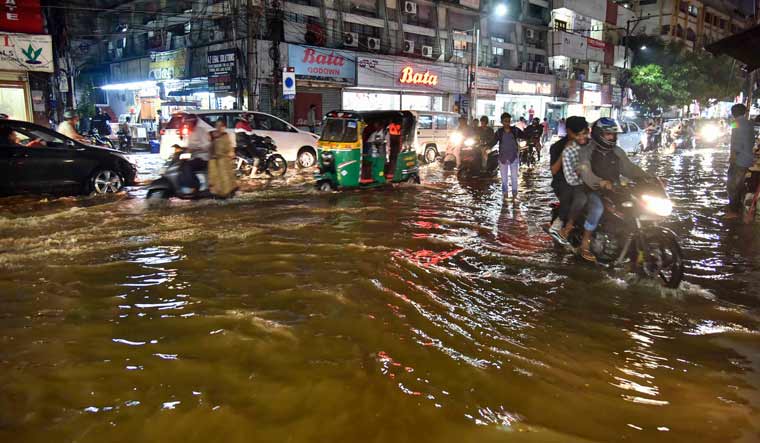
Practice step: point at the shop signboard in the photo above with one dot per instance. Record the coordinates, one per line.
(21, 16)
(595, 51)
(568, 90)
(322, 64)
(527, 87)
(221, 71)
(26, 52)
(487, 80)
(617, 96)
(594, 71)
(402, 74)
(569, 45)
(288, 83)
(167, 65)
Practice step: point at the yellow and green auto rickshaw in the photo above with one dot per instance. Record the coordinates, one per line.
(366, 149)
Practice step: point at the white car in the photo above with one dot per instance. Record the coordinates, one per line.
(631, 138)
(292, 143)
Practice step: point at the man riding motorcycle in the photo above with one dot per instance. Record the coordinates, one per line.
(244, 139)
(600, 165)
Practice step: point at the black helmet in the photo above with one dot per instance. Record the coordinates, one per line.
(605, 126)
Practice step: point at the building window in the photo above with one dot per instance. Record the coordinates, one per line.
(560, 25)
(722, 24)
(708, 18)
(693, 11)
(665, 30)
(497, 50)
(460, 45)
(683, 7)
(691, 35)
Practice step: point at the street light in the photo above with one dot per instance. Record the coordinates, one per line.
(501, 10)
(644, 47)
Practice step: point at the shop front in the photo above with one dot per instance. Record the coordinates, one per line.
(25, 65)
(398, 83)
(520, 97)
(321, 75)
(596, 101)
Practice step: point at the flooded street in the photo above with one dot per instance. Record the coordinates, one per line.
(431, 313)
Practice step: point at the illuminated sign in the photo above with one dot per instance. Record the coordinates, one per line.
(528, 87)
(408, 76)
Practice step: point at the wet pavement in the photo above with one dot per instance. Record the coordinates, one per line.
(415, 313)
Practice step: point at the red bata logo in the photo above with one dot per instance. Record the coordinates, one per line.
(311, 57)
(408, 76)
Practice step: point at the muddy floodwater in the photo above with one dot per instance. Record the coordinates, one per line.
(431, 313)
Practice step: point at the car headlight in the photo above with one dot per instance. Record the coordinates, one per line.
(470, 142)
(456, 138)
(657, 205)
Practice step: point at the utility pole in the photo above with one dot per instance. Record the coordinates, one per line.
(251, 59)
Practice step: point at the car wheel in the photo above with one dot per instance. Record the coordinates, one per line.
(307, 158)
(431, 153)
(106, 181)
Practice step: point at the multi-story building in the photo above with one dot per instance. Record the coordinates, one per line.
(358, 54)
(696, 23)
(587, 55)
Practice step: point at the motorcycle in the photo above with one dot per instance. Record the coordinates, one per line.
(272, 163)
(96, 139)
(629, 233)
(471, 163)
(457, 142)
(528, 152)
(170, 184)
(651, 140)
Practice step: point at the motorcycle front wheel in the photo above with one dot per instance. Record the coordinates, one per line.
(664, 258)
(277, 166)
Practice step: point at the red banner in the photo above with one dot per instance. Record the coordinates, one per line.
(21, 16)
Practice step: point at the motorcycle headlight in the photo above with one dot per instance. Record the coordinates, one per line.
(657, 205)
(523, 143)
(470, 142)
(710, 133)
(456, 138)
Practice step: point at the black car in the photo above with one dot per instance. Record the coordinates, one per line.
(34, 159)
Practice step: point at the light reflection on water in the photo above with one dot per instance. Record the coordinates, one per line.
(431, 313)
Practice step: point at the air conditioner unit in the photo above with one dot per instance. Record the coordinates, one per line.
(373, 44)
(409, 46)
(410, 8)
(530, 33)
(351, 39)
(427, 51)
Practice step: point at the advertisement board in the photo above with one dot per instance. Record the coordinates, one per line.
(527, 87)
(24, 16)
(26, 52)
(380, 72)
(221, 70)
(322, 64)
(167, 65)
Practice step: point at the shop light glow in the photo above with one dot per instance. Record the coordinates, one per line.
(132, 86)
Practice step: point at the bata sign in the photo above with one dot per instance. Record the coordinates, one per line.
(527, 87)
(409, 77)
(321, 63)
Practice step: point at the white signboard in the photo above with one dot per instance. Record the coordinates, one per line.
(569, 45)
(289, 85)
(26, 52)
(527, 87)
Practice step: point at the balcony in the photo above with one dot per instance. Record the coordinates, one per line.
(588, 8)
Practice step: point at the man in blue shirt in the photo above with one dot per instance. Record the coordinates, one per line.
(509, 158)
(742, 157)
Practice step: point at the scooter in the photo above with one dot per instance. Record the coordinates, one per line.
(98, 140)
(172, 183)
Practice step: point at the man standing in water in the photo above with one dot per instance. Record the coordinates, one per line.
(742, 157)
(509, 159)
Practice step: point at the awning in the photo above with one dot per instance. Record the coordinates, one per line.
(742, 46)
(186, 92)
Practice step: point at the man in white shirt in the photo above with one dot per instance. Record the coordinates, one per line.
(68, 126)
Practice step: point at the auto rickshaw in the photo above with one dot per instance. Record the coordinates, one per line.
(366, 149)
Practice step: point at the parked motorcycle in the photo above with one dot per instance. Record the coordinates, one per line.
(174, 179)
(471, 163)
(96, 139)
(271, 163)
(629, 233)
